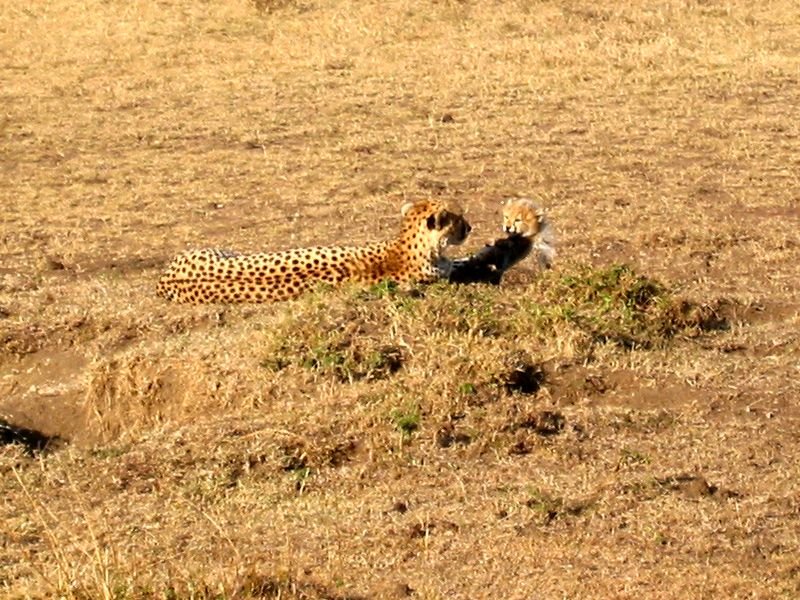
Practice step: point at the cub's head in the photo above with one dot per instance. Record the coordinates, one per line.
(523, 216)
(440, 223)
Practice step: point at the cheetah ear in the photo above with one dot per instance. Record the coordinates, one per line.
(544, 222)
(405, 208)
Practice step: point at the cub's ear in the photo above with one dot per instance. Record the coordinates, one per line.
(541, 215)
(405, 208)
(438, 220)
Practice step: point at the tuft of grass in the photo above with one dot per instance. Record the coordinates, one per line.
(341, 354)
(467, 389)
(549, 507)
(616, 305)
(271, 6)
(347, 360)
(407, 420)
(386, 288)
(633, 457)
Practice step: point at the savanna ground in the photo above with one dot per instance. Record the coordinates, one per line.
(597, 430)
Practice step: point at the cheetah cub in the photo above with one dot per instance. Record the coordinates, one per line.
(527, 230)
(524, 217)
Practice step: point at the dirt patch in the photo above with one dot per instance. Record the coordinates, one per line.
(44, 391)
(522, 376)
(695, 487)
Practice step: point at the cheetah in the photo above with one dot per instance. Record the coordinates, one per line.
(414, 255)
(524, 217)
(527, 229)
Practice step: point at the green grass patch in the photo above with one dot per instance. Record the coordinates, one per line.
(407, 420)
(353, 334)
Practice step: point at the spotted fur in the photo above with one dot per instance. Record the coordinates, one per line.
(414, 255)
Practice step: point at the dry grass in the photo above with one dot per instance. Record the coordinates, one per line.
(594, 431)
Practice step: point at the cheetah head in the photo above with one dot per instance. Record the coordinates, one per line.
(439, 224)
(523, 216)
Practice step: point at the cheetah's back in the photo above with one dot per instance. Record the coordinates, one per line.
(202, 276)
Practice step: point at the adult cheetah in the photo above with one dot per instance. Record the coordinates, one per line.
(414, 255)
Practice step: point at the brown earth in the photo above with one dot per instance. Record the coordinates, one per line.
(592, 431)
